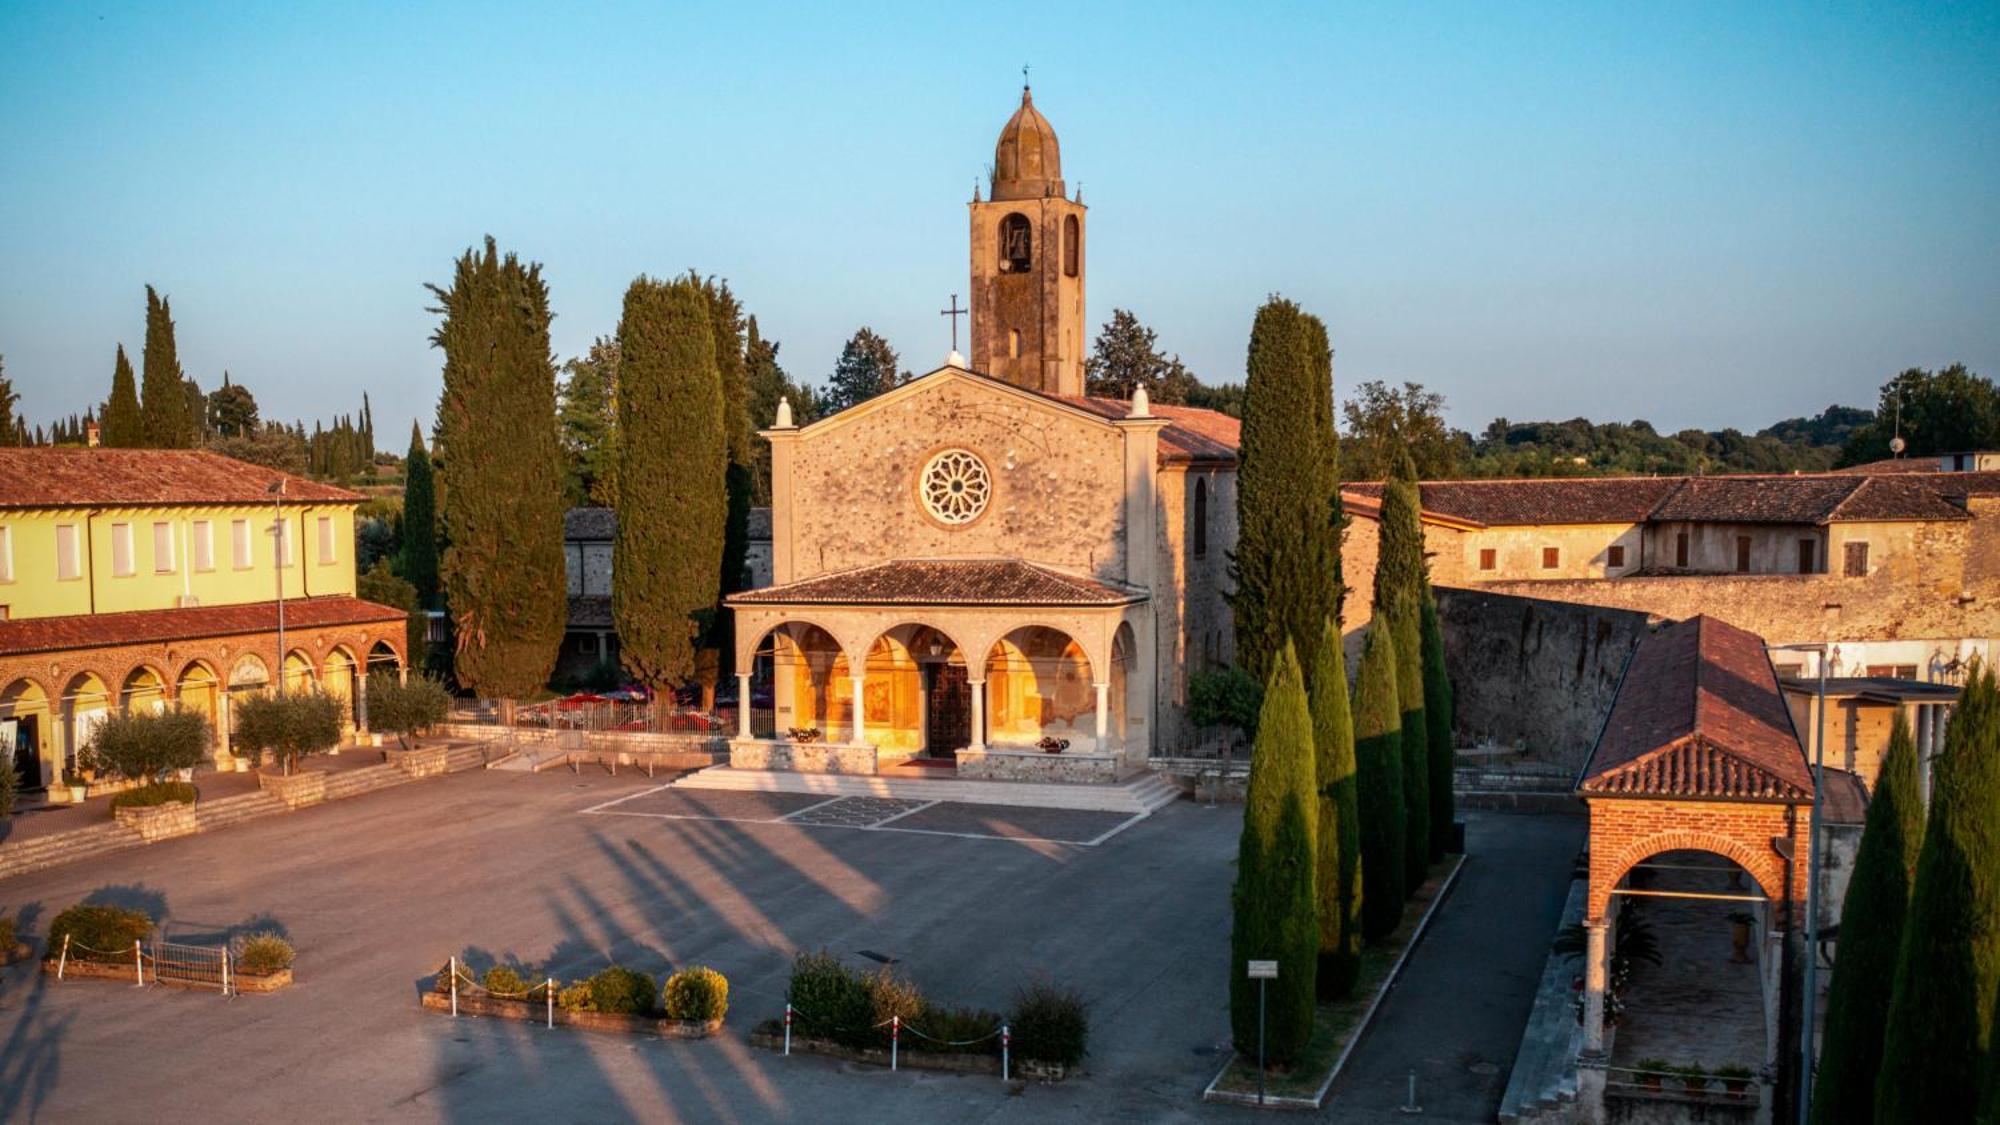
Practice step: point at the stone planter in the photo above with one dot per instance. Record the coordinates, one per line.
(298, 789)
(77, 793)
(424, 761)
(259, 982)
(537, 1011)
(159, 822)
(770, 1035)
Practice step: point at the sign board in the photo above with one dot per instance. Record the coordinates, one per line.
(1263, 970)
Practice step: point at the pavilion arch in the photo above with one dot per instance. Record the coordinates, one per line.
(143, 690)
(340, 675)
(811, 684)
(199, 689)
(86, 700)
(1039, 683)
(908, 666)
(752, 636)
(1767, 870)
(26, 701)
(383, 657)
(299, 671)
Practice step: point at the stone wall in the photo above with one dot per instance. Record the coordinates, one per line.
(1534, 674)
(993, 764)
(1195, 630)
(808, 757)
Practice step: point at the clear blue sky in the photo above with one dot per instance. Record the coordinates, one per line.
(1696, 214)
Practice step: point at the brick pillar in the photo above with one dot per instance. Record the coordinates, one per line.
(1596, 970)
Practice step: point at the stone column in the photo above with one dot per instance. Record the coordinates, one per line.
(743, 705)
(978, 715)
(1595, 970)
(1103, 713)
(923, 713)
(860, 724)
(361, 703)
(223, 721)
(1926, 719)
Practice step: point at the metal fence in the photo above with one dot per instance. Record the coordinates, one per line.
(167, 962)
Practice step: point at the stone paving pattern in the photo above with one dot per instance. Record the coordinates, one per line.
(855, 812)
(1011, 822)
(715, 804)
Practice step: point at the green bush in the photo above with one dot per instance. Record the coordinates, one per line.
(290, 726)
(696, 993)
(960, 1031)
(262, 953)
(95, 930)
(10, 788)
(1051, 1023)
(619, 989)
(144, 746)
(406, 709)
(504, 980)
(1225, 697)
(576, 996)
(9, 937)
(156, 794)
(829, 1000)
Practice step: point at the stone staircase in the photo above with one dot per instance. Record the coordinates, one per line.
(99, 839)
(1542, 1086)
(1140, 794)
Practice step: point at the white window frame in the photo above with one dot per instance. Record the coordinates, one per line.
(69, 553)
(242, 544)
(201, 546)
(163, 547)
(285, 547)
(328, 545)
(6, 560)
(123, 565)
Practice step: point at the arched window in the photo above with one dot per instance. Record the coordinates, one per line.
(1013, 343)
(1200, 517)
(1016, 239)
(1072, 246)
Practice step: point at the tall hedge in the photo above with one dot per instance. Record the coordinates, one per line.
(123, 428)
(1378, 755)
(500, 481)
(163, 406)
(671, 460)
(1941, 1011)
(1338, 834)
(1275, 915)
(1438, 714)
(1871, 934)
(1399, 596)
(1287, 546)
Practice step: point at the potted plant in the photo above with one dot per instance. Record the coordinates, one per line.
(1694, 1079)
(803, 735)
(77, 786)
(1740, 922)
(292, 727)
(1735, 1079)
(1049, 744)
(1650, 1071)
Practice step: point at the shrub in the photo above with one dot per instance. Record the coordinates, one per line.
(1051, 1023)
(8, 935)
(504, 980)
(289, 726)
(696, 993)
(142, 746)
(619, 989)
(1225, 697)
(960, 1031)
(265, 952)
(829, 1000)
(406, 709)
(10, 788)
(576, 997)
(154, 795)
(99, 930)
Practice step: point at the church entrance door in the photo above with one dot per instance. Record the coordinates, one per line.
(948, 718)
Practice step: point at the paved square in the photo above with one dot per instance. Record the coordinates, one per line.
(1008, 822)
(855, 812)
(710, 804)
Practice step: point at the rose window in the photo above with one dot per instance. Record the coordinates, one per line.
(955, 486)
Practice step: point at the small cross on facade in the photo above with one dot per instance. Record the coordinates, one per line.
(954, 312)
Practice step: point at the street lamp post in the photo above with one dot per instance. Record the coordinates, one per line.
(1809, 1011)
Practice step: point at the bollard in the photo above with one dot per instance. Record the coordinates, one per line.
(139, 963)
(63, 963)
(551, 986)
(1410, 1106)
(225, 971)
(788, 1016)
(895, 1037)
(1006, 1050)
(454, 986)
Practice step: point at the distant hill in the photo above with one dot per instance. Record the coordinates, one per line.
(1580, 447)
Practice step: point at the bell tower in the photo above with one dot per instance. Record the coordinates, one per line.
(1027, 263)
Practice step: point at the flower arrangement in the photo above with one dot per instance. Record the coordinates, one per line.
(1052, 745)
(803, 734)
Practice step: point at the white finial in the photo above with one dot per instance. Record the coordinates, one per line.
(955, 359)
(784, 420)
(1142, 404)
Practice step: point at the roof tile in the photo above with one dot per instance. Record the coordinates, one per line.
(44, 477)
(150, 626)
(944, 582)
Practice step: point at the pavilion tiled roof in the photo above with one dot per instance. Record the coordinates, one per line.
(1699, 714)
(153, 626)
(44, 477)
(945, 582)
(1194, 435)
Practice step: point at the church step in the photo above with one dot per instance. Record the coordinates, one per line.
(1141, 795)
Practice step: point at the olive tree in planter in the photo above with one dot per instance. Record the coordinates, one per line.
(291, 727)
(406, 709)
(145, 747)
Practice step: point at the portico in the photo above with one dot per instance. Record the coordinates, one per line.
(998, 667)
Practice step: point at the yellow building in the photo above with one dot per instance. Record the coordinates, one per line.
(137, 578)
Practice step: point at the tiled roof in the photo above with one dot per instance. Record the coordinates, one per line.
(590, 611)
(944, 582)
(1896, 498)
(1817, 499)
(1193, 436)
(44, 477)
(1500, 503)
(1893, 465)
(1699, 714)
(1844, 798)
(152, 626)
(1803, 500)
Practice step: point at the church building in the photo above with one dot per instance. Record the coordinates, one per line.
(985, 569)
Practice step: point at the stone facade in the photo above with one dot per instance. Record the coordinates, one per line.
(801, 757)
(997, 764)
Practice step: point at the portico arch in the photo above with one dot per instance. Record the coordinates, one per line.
(339, 677)
(1039, 684)
(31, 747)
(86, 700)
(144, 690)
(812, 687)
(299, 671)
(198, 689)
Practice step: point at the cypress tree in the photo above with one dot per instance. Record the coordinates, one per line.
(1338, 834)
(420, 545)
(1378, 759)
(1941, 1010)
(500, 485)
(1399, 593)
(1287, 547)
(726, 327)
(122, 427)
(668, 556)
(162, 400)
(1275, 914)
(1871, 934)
(1438, 717)
(7, 400)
